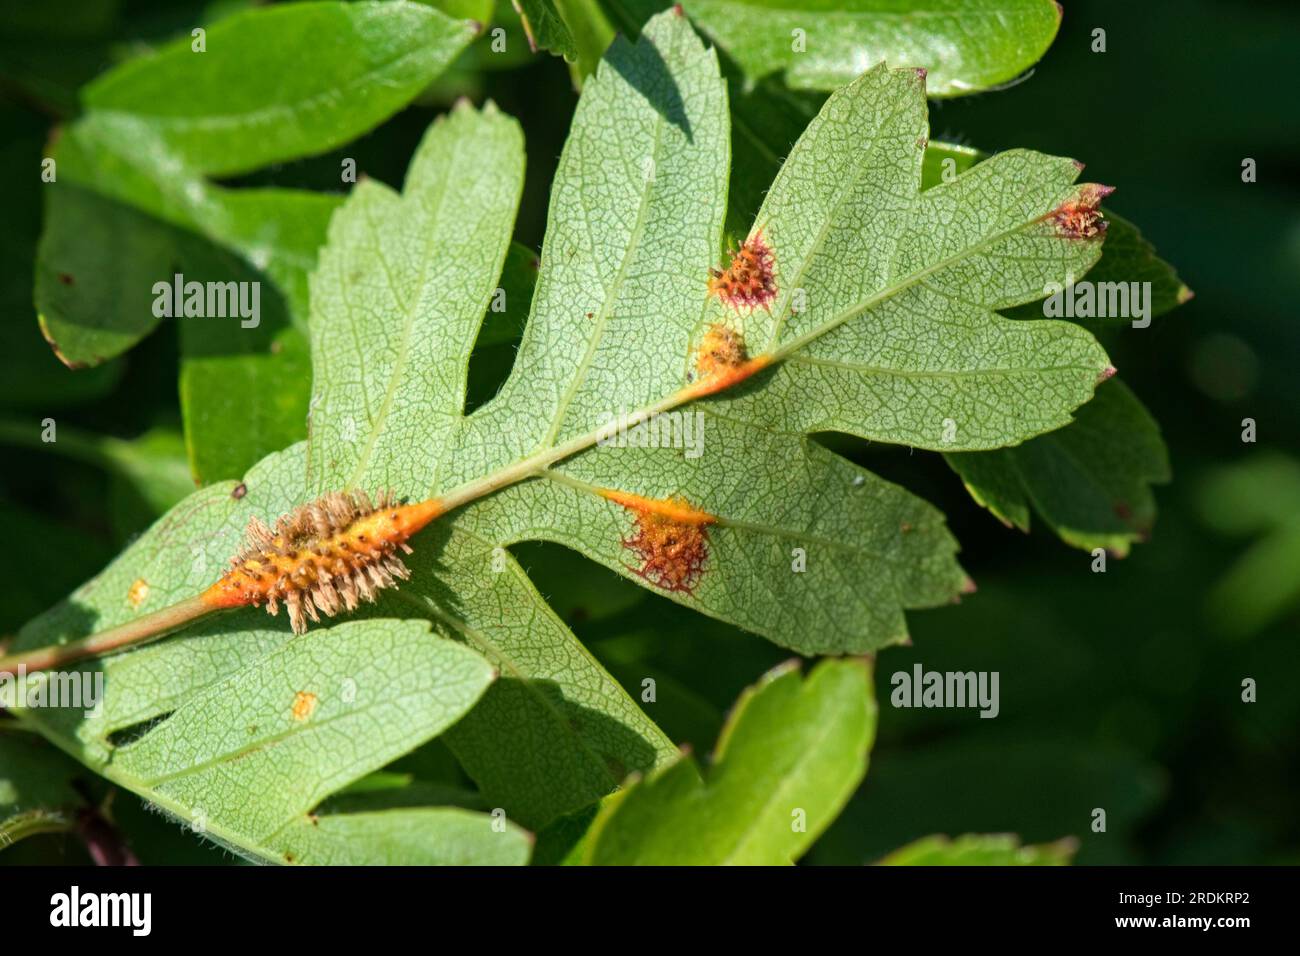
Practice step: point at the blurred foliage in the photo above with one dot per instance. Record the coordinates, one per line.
(1120, 690)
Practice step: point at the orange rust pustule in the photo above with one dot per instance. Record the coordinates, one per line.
(1080, 218)
(671, 539)
(325, 556)
(721, 349)
(749, 281)
(722, 361)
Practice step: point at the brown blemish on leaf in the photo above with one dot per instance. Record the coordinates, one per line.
(1080, 217)
(66, 278)
(138, 593)
(749, 281)
(239, 491)
(304, 703)
(722, 361)
(671, 539)
(721, 349)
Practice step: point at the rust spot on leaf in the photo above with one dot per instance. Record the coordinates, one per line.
(722, 361)
(304, 703)
(138, 593)
(721, 349)
(671, 539)
(749, 280)
(239, 491)
(1080, 217)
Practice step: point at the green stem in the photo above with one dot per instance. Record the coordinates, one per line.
(143, 629)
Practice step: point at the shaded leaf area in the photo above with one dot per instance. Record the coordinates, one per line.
(34, 378)
(792, 751)
(578, 30)
(999, 849)
(1090, 482)
(38, 787)
(135, 167)
(966, 45)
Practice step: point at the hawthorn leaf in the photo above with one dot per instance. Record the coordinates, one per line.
(618, 299)
(424, 836)
(545, 28)
(1125, 257)
(338, 70)
(1090, 481)
(291, 727)
(998, 849)
(967, 45)
(886, 309)
(388, 394)
(637, 209)
(790, 756)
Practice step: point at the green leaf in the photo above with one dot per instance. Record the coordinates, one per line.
(630, 253)
(397, 302)
(577, 30)
(133, 169)
(545, 28)
(966, 45)
(427, 836)
(999, 849)
(909, 349)
(792, 753)
(335, 71)
(292, 727)
(1090, 481)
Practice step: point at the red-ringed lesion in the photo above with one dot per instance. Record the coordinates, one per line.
(749, 279)
(1080, 217)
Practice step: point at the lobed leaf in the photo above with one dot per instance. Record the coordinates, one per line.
(1090, 481)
